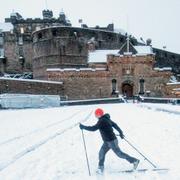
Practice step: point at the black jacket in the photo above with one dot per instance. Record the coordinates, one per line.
(105, 126)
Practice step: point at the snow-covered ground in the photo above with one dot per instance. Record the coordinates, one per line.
(46, 144)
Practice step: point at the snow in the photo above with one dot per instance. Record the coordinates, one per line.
(6, 27)
(75, 69)
(176, 89)
(144, 50)
(31, 80)
(173, 83)
(17, 101)
(163, 69)
(100, 55)
(38, 144)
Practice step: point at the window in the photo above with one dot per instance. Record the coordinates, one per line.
(64, 49)
(22, 30)
(54, 32)
(173, 56)
(29, 28)
(40, 36)
(38, 28)
(121, 39)
(21, 51)
(1, 39)
(1, 52)
(128, 71)
(20, 40)
(114, 82)
(141, 83)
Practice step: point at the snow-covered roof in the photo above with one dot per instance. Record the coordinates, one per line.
(144, 50)
(6, 27)
(100, 55)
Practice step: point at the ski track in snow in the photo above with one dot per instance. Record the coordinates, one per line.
(38, 130)
(36, 146)
(159, 109)
(67, 162)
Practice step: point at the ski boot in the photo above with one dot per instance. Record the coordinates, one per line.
(135, 164)
(100, 170)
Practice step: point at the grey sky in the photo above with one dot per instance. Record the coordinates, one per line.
(155, 19)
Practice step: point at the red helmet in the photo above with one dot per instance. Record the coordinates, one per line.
(99, 112)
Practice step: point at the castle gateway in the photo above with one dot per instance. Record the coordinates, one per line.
(88, 73)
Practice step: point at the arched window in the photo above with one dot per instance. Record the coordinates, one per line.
(141, 85)
(114, 82)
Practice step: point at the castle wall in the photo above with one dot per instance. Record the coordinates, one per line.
(83, 84)
(96, 83)
(30, 87)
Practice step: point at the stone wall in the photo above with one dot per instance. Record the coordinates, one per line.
(31, 87)
(14, 50)
(84, 84)
(167, 59)
(58, 47)
(133, 68)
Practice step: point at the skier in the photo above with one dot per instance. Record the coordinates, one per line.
(105, 126)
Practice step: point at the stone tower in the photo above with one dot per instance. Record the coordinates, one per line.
(58, 47)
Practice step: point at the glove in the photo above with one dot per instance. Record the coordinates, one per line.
(81, 126)
(121, 135)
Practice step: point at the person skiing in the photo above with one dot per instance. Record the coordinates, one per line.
(105, 125)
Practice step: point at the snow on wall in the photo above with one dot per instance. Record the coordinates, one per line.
(28, 101)
(75, 69)
(32, 80)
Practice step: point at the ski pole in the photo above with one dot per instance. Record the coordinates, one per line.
(86, 152)
(139, 152)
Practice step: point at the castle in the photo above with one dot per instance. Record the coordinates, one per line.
(88, 62)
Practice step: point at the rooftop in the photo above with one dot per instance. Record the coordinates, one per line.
(101, 55)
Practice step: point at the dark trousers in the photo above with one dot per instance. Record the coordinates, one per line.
(114, 146)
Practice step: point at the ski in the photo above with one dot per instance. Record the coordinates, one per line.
(144, 170)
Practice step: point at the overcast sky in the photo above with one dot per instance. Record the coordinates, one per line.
(155, 19)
